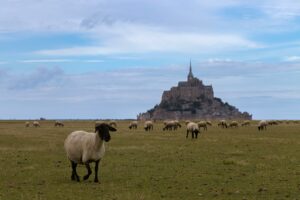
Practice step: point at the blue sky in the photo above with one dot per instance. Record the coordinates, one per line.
(113, 59)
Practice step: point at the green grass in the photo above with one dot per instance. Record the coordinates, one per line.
(237, 163)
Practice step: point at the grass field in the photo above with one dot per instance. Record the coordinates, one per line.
(237, 163)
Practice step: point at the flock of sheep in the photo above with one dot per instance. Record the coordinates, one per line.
(86, 147)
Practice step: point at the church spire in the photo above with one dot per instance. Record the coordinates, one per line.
(190, 75)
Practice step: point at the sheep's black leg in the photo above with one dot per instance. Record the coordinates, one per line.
(87, 165)
(74, 173)
(192, 134)
(187, 134)
(96, 171)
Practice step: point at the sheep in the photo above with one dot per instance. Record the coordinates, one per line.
(59, 124)
(203, 125)
(223, 124)
(36, 124)
(113, 123)
(246, 123)
(171, 125)
(262, 125)
(234, 124)
(85, 147)
(209, 123)
(27, 124)
(148, 125)
(133, 125)
(193, 128)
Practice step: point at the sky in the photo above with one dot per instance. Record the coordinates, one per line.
(114, 58)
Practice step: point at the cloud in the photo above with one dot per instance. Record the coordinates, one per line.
(129, 38)
(46, 61)
(292, 59)
(40, 77)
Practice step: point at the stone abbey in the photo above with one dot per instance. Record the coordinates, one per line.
(192, 100)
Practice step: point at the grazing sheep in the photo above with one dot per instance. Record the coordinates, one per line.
(133, 125)
(83, 147)
(262, 125)
(203, 125)
(36, 124)
(272, 122)
(27, 124)
(148, 125)
(246, 123)
(113, 123)
(209, 123)
(234, 124)
(223, 124)
(59, 124)
(171, 125)
(193, 128)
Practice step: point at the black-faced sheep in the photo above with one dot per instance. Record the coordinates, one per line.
(234, 124)
(192, 128)
(133, 125)
(171, 125)
(148, 125)
(113, 123)
(223, 124)
(262, 125)
(27, 124)
(202, 124)
(84, 147)
(246, 123)
(36, 124)
(59, 124)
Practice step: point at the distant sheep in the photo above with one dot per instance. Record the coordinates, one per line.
(202, 124)
(133, 125)
(59, 124)
(234, 124)
(84, 147)
(223, 124)
(262, 125)
(192, 128)
(36, 124)
(246, 123)
(113, 123)
(171, 125)
(27, 124)
(148, 125)
(209, 123)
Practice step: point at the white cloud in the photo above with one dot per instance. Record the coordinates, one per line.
(46, 61)
(292, 58)
(129, 38)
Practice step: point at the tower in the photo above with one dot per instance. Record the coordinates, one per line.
(190, 75)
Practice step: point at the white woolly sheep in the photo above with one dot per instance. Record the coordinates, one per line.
(27, 124)
(59, 124)
(193, 128)
(113, 123)
(148, 125)
(246, 123)
(203, 125)
(223, 124)
(262, 125)
(133, 125)
(209, 123)
(36, 124)
(171, 125)
(234, 124)
(84, 147)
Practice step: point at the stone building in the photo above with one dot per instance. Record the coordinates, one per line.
(192, 100)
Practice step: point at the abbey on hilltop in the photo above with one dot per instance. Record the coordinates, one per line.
(192, 99)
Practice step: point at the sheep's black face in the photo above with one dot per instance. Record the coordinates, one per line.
(103, 131)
